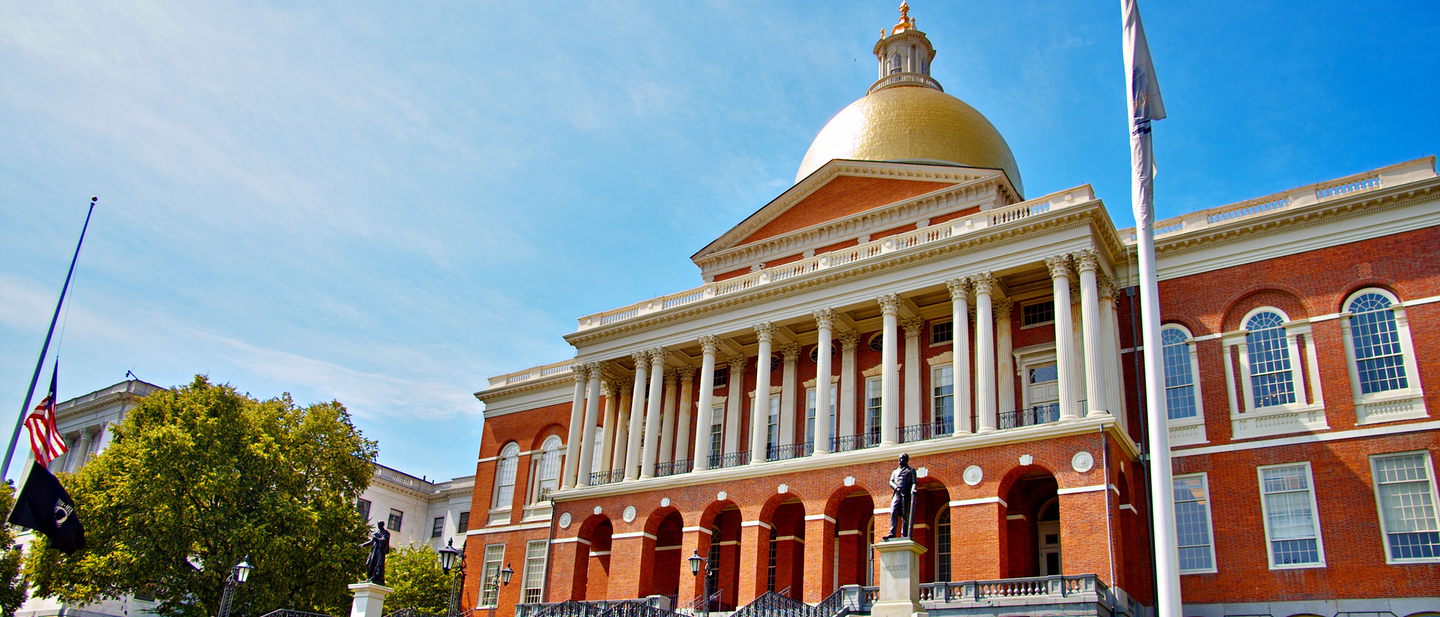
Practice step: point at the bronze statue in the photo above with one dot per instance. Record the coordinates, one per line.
(379, 544)
(902, 482)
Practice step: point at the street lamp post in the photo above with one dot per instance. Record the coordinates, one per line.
(698, 563)
(450, 557)
(237, 577)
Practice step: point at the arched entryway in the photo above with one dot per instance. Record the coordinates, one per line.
(722, 547)
(853, 561)
(1033, 534)
(592, 559)
(665, 560)
(932, 529)
(783, 551)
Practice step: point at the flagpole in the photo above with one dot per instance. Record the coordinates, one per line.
(44, 349)
(1145, 105)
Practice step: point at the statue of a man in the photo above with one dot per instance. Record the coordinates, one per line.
(902, 482)
(379, 544)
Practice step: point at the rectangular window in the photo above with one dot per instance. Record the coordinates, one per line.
(772, 424)
(717, 430)
(1179, 379)
(1292, 526)
(438, 529)
(770, 568)
(810, 413)
(722, 376)
(464, 524)
(363, 507)
(396, 517)
(942, 385)
(1405, 492)
(1192, 524)
(494, 554)
(534, 571)
(874, 395)
(942, 332)
(1038, 313)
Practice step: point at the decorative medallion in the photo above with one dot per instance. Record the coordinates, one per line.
(565, 520)
(973, 475)
(629, 514)
(1082, 461)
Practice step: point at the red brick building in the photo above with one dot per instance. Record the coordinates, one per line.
(908, 290)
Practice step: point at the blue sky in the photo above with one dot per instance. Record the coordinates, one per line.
(386, 203)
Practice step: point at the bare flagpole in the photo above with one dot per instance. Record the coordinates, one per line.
(29, 394)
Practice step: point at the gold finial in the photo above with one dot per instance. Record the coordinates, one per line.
(906, 23)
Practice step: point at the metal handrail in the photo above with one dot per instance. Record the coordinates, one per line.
(1035, 414)
(928, 430)
(789, 451)
(858, 441)
(673, 468)
(729, 459)
(606, 477)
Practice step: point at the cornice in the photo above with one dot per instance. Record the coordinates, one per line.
(917, 449)
(507, 391)
(1056, 220)
(845, 167)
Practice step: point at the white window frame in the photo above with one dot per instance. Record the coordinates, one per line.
(1188, 431)
(552, 449)
(535, 568)
(1040, 324)
(1391, 405)
(934, 399)
(486, 600)
(510, 451)
(716, 431)
(1248, 421)
(930, 332)
(1380, 505)
(1314, 509)
(810, 395)
(873, 415)
(1209, 520)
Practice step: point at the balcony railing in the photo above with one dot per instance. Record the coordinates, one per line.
(858, 441)
(673, 468)
(789, 451)
(729, 459)
(1037, 414)
(606, 477)
(928, 430)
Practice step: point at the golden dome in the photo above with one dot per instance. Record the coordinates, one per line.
(912, 124)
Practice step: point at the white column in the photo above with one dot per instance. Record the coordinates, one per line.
(667, 419)
(984, 353)
(1109, 347)
(611, 390)
(682, 431)
(760, 409)
(709, 345)
(848, 341)
(824, 320)
(592, 413)
(80, 451)
(913, 326)
(652, 412)
(637, 415)
(889, 375)
(790, 352)
(622, 428)
(1064, 354)
(1097, 396)
(734, 403)
(1004, 355)
(960, 348)
(577, 424)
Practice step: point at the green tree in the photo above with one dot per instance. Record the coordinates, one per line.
(414, 572)
(198, 478)
(12, 588)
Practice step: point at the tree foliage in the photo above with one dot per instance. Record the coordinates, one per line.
(414, 572)
(12, 588)
(198, 478)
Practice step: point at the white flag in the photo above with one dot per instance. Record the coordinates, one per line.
(1145, 105)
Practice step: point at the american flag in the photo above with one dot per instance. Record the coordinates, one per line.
(45, 441)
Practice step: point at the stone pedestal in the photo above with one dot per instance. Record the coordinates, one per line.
(899, 593)
(369, 599)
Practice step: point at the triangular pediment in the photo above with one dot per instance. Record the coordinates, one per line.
(840, 192)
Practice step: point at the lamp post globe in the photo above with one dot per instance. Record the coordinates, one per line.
(242, 570)
(506, 574)
(695, 562)
(448, 555)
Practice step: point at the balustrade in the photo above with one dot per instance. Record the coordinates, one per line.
(729, 459)
(789, 451)
(673, 468)
(927, 430)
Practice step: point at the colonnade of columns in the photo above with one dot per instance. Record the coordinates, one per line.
(646, 425)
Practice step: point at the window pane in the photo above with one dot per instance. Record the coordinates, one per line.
(942, 546)
(942, 333)
(494, 553)
(464, 524)
(438, 529)
(1290, 515)
(1270, 377)
(1192, 524)
(1407, 506)
(505, 475)
(534, 571)
(1378, 357)
(396, 517)
(1179, 378)
(942, 383)
(1038, 313)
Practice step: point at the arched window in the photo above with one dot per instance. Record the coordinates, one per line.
(1180, 396)
(1378, 357)
(1383, 374)
(505, 475)
(1272, 379)
(550, 454)
(895, 62)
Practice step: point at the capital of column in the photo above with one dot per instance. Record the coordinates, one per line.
(889, 304)
(912, 325)
(1107, 286)
(658, 356)
(1087, 259)
(737, 364)
(958, 287)
(825, 318)
(710, 343)
(848, 339)
(1059, 266)
(790, 351)
(625, 390)
(765, 330)
(596, 368)
(687, 374)
(641, 358)
(1002, 308)
(607, 388)
(984, 283)
(671, 377)
(581, 372)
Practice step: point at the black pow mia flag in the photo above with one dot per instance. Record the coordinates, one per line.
(44, 506)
